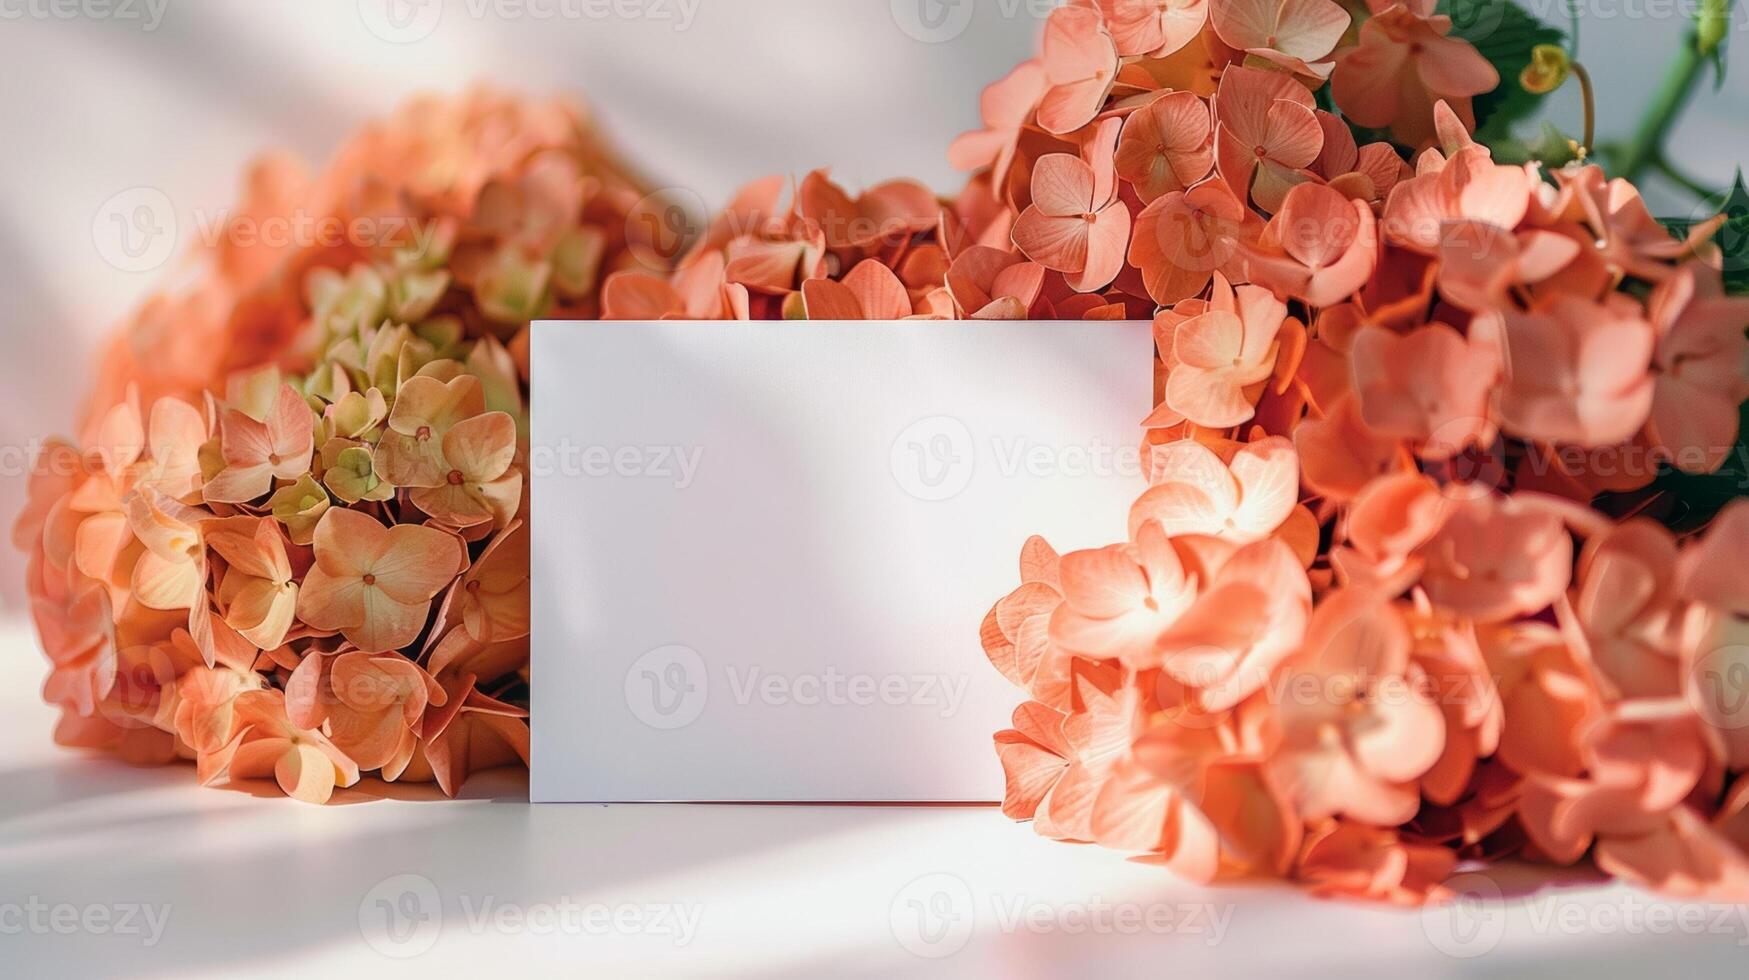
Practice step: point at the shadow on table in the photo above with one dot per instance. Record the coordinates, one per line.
(255, 881)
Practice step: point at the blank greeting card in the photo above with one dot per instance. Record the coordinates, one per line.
(765, 549)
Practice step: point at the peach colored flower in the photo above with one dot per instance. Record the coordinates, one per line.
(1098, 735)
(1076, 224)
(698, 290)
(1251, 615)
(1194, 492)
(1628, 239)
(1697, 368)
(492, 596)
(172, 572)
(481, 483)
(1683, 856)
(259, 451)
(1707, 572)
(374, 584)
(1080, 64)
(1217, 355)
(259, 591)
(1292, 34)
(1155, 28)
(884, 214)
(373, 707)
(1626, 604)
(1167, 145)
(56, 473)
(1358, 725)
(1467, 187)
(991, 283)
(1430, 386)
(470, 732)
(1362, 173)
(1197, 796)
(1265, 133)
(1480, 263)
(175, 433)
(1548, 696)
(76, 625)
(1577, 372)
(1118, 600)
(1403, 65)
(1349, 859)
(1641, 760)
(1034, 754)
(306, 764)
(1340, 454)
(1006, 107)
(205, 715)
(1320, 247)
(869, 292)
(1496, 557)
(1449, 654)
(410, 453)
(1713, 656)
(1016, 632)
(1183, 238)
(1389, 519)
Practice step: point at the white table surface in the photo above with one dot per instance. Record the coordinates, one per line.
(254, 884)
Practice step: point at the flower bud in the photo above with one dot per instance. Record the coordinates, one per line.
(1547, 71)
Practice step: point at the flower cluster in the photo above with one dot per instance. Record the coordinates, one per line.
(1402, 588)
(1392, 598)
(293, 541)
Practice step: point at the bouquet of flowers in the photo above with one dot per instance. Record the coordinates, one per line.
(292, 543)
(1435, 558)
(1427, 570)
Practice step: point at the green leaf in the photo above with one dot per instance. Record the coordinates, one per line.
(1698, 496)
(1504, 33)
(1732, 238)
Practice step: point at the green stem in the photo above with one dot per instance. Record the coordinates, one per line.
(1686, 182)
(1698, 45)
(1667, 103)
(1588, 98)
